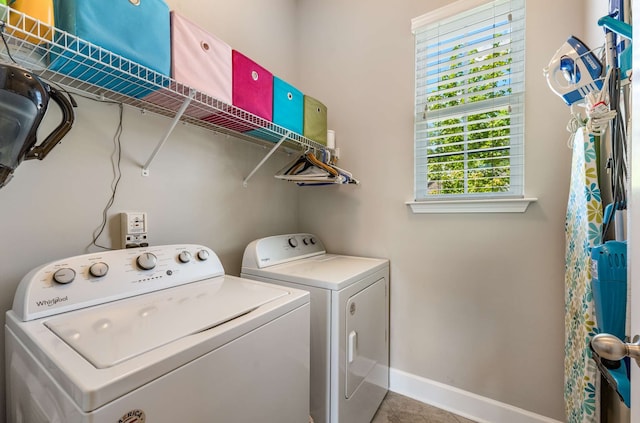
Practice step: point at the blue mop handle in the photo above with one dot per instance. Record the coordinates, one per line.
(611, 208)
(619, 27)
(608, 213)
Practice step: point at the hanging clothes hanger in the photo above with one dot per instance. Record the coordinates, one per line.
(302, 169)
(307, 169)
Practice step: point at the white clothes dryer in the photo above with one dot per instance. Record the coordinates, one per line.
(157, 334)
(349, 321)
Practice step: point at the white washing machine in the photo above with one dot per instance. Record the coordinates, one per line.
(156, 335)
(349, 321)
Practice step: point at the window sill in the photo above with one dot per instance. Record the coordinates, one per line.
(502, 205)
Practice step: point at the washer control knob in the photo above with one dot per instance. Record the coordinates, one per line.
(312, 240)
(147, 261)
(293, 242)
(64, 275)
(306, 241)
(185, 256)
(98, 269)
(203, 255)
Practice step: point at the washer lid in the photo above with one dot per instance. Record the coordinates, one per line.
(329, 271)
(110, 334)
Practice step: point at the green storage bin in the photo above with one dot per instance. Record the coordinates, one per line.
(315, 120)
(2, 11)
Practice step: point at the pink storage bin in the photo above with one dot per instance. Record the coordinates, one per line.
(200, 59)
(252, 86)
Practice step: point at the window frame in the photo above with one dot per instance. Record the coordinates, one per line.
(512, 201)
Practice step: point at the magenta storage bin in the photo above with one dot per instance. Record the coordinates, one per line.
(252, 86)
(200, 59)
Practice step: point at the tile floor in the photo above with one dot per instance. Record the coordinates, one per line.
(397, 408)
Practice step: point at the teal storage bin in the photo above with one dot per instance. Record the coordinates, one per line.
(288, 105)
(288, 110)
(138, 30)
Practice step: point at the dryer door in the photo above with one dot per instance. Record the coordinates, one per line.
(365, 334)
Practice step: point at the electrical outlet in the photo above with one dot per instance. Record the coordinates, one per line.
(134, 228)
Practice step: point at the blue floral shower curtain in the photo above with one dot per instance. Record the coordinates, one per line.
(583, 229)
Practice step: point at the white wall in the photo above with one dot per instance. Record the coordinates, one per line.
(194, 192)
(477, 300)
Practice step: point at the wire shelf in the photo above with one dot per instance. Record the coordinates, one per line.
(64, 59)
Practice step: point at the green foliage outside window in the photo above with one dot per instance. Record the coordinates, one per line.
(471, 153)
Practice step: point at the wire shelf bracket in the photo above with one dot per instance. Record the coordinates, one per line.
(174, 122)
(245, 181)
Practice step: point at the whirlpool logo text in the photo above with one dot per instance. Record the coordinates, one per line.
(133, 416)
(51, 302)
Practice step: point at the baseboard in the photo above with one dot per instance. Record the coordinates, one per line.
(462, 403)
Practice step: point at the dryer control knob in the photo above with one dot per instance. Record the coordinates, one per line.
(98, 269)
(312, 240)
(184, 257)
(64, 275)
(203, 255)
(293, 242)
(147, 261)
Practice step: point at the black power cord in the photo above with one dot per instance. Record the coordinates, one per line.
(116, 156)
(3, 25)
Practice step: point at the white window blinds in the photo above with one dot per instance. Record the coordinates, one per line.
(469, 115)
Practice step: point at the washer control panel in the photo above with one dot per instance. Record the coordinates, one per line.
(279, 249)
(92, 279)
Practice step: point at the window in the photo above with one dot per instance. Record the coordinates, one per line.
(469, 108)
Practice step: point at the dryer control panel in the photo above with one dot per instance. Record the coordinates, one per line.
(278, 249)
(92, 279)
